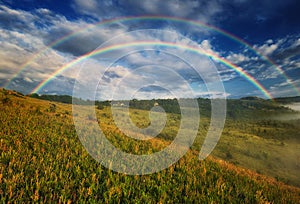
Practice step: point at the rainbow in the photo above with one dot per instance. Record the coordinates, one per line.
(147, 43)
(153, 18)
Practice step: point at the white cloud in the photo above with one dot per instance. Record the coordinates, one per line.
(47, 62)
(297, 42)
(205, 44)
(88, 5)
(199, 10)
(19, 15)
(28, 79)
(285, 88)
(271, 46)
(23, 46)
(16, 54)
(24, 34)
(267, 49)
(237, 58)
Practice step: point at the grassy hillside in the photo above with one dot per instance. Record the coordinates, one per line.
(43, 160)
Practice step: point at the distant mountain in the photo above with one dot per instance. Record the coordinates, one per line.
(251, 98)
(286, 100)
(282, 100)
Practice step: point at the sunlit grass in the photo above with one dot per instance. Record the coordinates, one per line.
(42, 160)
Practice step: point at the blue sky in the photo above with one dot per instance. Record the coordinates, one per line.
(271, 28)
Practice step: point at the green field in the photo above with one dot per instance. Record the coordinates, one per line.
(42, 159)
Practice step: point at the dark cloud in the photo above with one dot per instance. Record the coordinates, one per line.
(293, 51)
(78, 37)
(15, 19)
(153, 88)
(112, 74)
(76, 46)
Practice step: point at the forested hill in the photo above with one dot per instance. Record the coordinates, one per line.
(59, 98)
(244, 108)
(286, 100)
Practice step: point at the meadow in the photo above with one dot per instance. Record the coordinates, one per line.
(42, 159)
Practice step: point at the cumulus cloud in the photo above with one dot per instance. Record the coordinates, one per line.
(16, 55)
(21, 44)
(237, 58)
(289, 52)
(284, 52)
(281, 48)
(151, 65)
(81, 41)
(285, 88)
(16, 19)
(198, 10)
(21, 40)
(145, 82)
(24, 36)
(268, 48)
(205, 44)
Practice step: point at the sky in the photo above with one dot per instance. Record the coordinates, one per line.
(117, 49)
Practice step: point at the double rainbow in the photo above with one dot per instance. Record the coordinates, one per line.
(150, 43)
(155, 18)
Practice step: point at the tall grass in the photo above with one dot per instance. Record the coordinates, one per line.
(42, 160)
